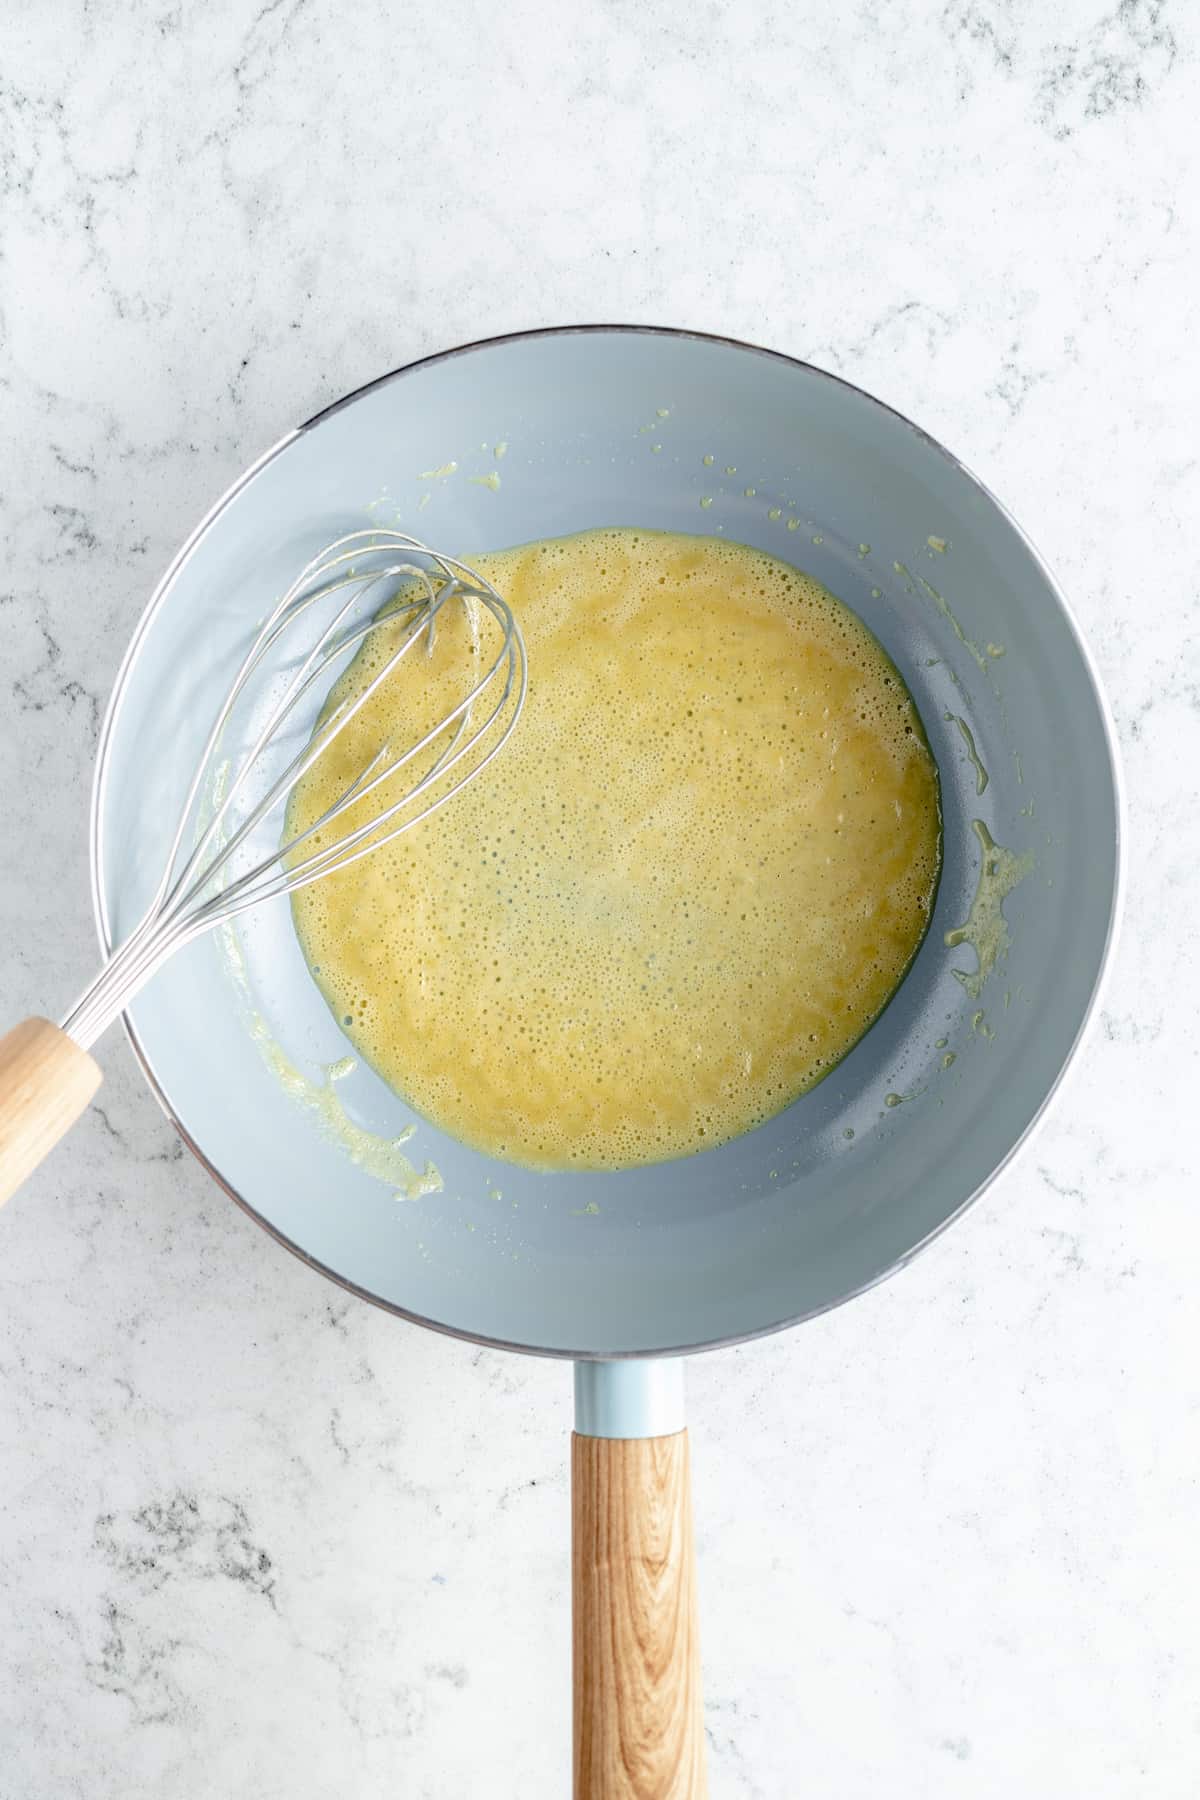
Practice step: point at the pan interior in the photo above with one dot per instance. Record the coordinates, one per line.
(618, 427)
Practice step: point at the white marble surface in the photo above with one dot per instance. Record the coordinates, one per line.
(258, 1538)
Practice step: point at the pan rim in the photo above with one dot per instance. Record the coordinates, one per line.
(100, 788)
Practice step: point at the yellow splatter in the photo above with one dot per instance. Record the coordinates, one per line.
(944, 607)
(981, 774)
(985, 927)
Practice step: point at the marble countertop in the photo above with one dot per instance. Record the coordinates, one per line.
(256, 1537)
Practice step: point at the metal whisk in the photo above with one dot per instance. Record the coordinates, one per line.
(404, 584)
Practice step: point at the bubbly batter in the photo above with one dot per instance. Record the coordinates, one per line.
(686, 887)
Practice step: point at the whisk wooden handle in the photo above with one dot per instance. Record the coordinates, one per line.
(46, 1080)
(639, 1724)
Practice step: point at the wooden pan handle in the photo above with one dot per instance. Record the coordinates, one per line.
(639, 1726)
(46, 1081)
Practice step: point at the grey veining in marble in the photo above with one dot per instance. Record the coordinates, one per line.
(257, 1538)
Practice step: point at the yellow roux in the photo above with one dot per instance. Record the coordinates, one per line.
(695, 875)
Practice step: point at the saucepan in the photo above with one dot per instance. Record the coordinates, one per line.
(550, 432)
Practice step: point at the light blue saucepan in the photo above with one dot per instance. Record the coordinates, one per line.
(669, 429)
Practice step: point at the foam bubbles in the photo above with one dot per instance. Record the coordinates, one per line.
(695, 875)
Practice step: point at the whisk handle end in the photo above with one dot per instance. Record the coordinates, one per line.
(46, 1081)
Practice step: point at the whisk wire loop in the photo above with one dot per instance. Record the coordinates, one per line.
(196, 890)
